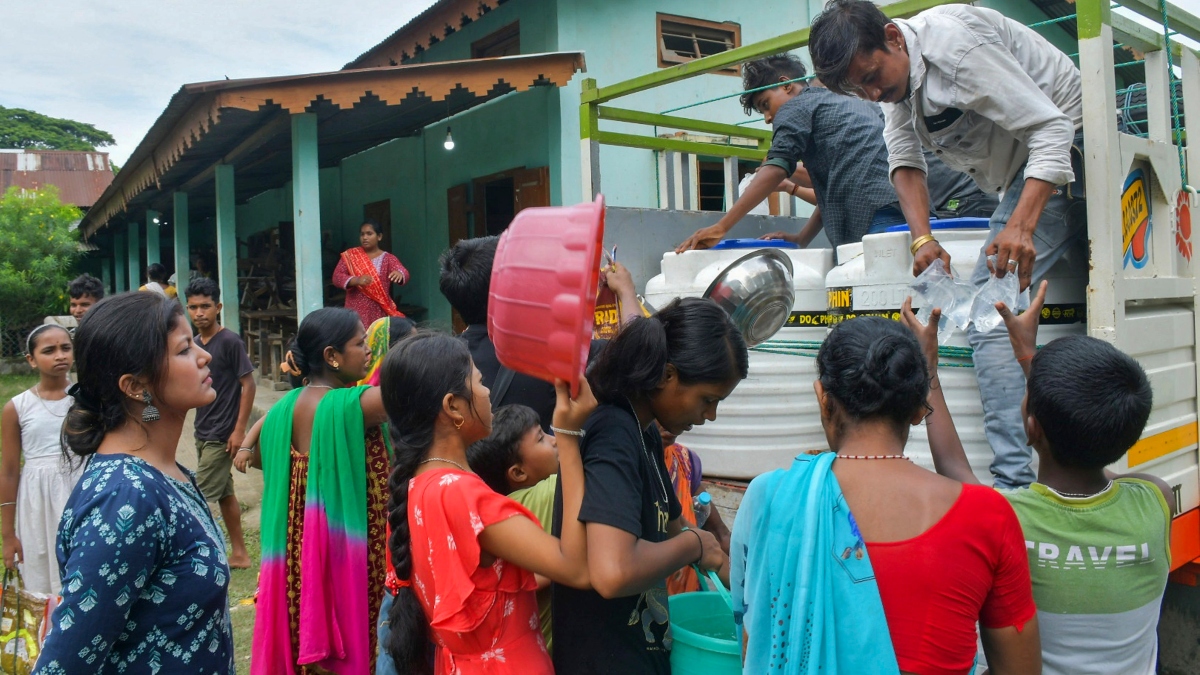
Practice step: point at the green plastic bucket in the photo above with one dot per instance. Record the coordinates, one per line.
(703, 628)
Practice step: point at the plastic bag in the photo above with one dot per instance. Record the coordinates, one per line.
(939, 290)
(608, 314)
(760, 209)
(1006, 290)
(21, 620)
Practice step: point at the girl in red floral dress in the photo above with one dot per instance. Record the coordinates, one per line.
(464, 555)
(367, 273)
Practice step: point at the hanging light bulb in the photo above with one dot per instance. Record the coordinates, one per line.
(449, 142)
(156, 220)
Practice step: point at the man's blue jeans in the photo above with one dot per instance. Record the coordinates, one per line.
(1063, 224)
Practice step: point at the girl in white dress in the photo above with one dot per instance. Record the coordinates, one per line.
(32, 497)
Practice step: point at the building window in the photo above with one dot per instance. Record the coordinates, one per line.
(711, 186)
(682, 39)
(504, 42)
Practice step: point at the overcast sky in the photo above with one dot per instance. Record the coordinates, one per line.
(116, 63)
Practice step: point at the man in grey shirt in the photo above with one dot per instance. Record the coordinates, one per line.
(992, 98)
(839, 140)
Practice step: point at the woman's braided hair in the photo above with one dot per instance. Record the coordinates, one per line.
(415, 377)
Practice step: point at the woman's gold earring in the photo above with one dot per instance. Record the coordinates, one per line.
(459, 424)
(335, 365)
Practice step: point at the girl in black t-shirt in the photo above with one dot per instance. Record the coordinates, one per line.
(674, 367)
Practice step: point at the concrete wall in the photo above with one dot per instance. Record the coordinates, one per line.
(620, 41)
(415, 174)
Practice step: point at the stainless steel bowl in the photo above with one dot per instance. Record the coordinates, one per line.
(756, 291)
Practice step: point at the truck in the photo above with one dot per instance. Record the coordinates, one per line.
(1140, 270)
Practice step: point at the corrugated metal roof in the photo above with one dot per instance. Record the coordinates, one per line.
(81, 177)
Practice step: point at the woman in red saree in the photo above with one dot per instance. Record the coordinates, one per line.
(367, 273)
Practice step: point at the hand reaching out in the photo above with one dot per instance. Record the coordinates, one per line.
(783, 236)
(1013, 244)
(927, 336)
(618, 279)
(571, 413)
(925, 256)
(397, 277)
(705, 237)
(1022, 330)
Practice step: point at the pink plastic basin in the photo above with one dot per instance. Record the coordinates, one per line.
(542, 302)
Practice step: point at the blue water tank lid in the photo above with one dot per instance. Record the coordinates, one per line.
(948, 224)
(754, 243)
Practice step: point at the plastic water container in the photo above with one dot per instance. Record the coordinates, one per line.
(705, 636)
(772, 415)
(873, 279)
(542, 298)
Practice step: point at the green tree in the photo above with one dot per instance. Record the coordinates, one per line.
(25, 129)
(39, 244)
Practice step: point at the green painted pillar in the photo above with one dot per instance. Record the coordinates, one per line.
(227, 248)
(120, 255)
(135, 256)
(306, 200)
(153, 252)
(183, 252)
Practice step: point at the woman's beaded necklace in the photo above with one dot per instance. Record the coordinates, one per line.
(646, 453)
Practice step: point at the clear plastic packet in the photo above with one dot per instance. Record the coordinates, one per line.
(1006, 290)
(940, 290)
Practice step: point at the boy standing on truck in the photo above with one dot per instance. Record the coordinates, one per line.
(1098, 543)
(839, 141)
(994, 99)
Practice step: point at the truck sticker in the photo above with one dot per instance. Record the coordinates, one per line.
(1063, 314)
(841, 307)
(840, 300)
(1135, 220)
(808, 319)
(841, 303)
(1183, 225)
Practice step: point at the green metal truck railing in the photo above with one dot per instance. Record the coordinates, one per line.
(754, 142)
(742, 142)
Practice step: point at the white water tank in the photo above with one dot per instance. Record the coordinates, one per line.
(873, 279)
(772, 415)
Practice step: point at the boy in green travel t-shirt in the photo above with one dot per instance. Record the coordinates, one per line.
(1098, 543)
(520, 460)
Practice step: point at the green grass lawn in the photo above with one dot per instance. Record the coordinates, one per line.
(11, 385)
(242, 586)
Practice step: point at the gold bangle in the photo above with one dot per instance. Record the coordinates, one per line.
(921, 241)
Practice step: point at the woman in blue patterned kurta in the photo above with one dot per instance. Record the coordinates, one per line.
(143, 564)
